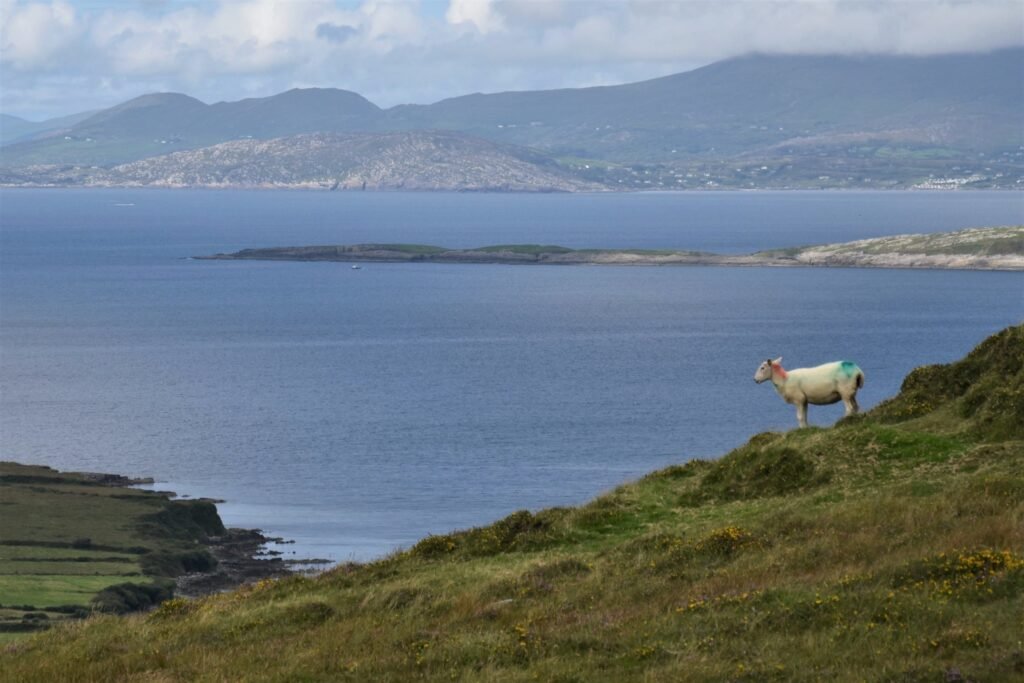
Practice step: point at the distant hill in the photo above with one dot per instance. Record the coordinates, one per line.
(732, 107)
(160, 123)
(12, 127)
(754, 121)
(15, 129)
(411, 160)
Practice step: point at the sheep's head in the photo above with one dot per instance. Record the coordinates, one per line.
(764, 371)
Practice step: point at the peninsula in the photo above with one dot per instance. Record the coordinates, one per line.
(1000, 248)
(74, 543)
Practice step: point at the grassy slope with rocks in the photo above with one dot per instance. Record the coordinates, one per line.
(998, 247)
(888, 547)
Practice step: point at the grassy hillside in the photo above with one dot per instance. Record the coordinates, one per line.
(887, 548)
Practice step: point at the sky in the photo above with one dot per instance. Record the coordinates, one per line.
(66, 56)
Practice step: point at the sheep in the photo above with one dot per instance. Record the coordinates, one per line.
(821, 385)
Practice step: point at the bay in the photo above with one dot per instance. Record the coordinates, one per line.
(357, 411)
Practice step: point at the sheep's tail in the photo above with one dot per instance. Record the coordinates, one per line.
(860, 378)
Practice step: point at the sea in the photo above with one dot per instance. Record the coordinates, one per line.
(355, 411)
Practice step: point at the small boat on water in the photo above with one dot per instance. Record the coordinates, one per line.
(357, 267)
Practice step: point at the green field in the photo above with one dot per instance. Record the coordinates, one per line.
(887, 548)
(53, 590)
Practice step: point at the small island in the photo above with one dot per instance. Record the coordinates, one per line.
(998, 248)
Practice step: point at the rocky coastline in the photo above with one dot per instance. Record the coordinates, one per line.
(241, 555)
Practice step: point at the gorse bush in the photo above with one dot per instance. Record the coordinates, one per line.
(755, 472)
(132, 597)
(990, 380)
(975, 574)
(519, 531)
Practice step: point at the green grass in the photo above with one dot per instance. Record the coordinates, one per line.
(887, 548)
(424, 249)
(42, 553)
(532, 249)
(29, 568)
(54, 590)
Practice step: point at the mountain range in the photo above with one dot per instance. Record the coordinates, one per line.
(759, 120)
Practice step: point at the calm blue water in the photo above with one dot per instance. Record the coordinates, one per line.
(356, 411)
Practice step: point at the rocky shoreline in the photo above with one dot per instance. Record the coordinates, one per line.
(241, 555)
(237, 552)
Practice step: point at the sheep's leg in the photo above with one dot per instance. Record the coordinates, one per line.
(801, 413)
(851, 404)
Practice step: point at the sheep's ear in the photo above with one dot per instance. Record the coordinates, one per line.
(777, 360)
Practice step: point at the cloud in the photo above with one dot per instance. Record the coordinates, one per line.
(396, 51)
(37, 36)
(480, 14)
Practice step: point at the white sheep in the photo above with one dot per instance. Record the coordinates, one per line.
(822, 385)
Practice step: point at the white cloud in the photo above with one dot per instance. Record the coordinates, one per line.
(480, 14)
(36, 36)
(396, 51)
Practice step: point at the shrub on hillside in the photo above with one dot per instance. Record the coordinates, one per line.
(132, 597)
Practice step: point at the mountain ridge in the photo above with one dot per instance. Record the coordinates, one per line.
(751, 121)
